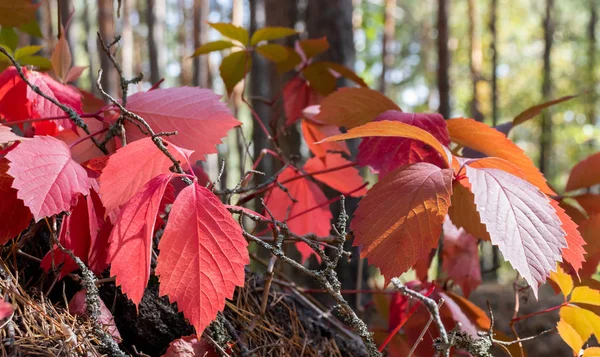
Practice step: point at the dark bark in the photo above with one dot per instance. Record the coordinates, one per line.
(106, 27)
(443, 77)
(201, 76)
(389, 30)
(494, 52)
(546, 125)
(155, 18)
(475, 60)
(591, 71)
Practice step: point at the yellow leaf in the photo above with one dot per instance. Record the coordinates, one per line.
(569, 335)
(393, 129)
(271, 33)
(352, 107)
(591, 352)
(212, 46)
(273, 52)
(320, 78)
(314, 46)
(563, 280)
(232, 31)
(583, 321)
(234, 68)
(585, 295)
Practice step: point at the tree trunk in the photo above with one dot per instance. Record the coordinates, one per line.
(107, 31)
(591, 72)
(546, 126)
(443, 78)
(475, 60)
(494, 51)
(389, 31)
(126, 49)
(155, 18)
(67, 16)
(201, 75)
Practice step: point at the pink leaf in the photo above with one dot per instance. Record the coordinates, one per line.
(202, 256)
(199, 118)
(15, 216)
(46, 177)
(131, 239)
(5, 309)
(78, 306)
(131, 167)
(190, 346)
(384, 154)
(345, 180)
(521, 222)
(461, 257)
(308, 196)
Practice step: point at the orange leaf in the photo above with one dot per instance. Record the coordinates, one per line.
(400, 220)
(480, 137)
(313, 133)
(393, 129)
(573, 253)
(563, 280)
(570, 336)
(352, 107)
(344, 180)
(537, 109)
(591, 352)
(314, 46)
(463, 211)
(590, 230)
(585, 174)
(585, 295)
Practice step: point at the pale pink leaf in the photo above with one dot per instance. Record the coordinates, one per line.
(461, 257)
(46, 177)
(7, 136)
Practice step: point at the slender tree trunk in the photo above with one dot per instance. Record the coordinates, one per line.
(185, 77)
(107, 31)
(67, 17)
(201, 75)
(591, 72)
(494, 51)
(155, 18)
(546, 127)
(443, 77)
(389, 30)
(126, 49)
(475, 60)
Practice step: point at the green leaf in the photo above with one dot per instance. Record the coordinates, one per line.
(27, 51)
(212, 46)
(32, 28)
(271, 33)
(234, 68)
(320, 78)
(9, 37)
(231, 31)
(37, 61)
(273, 52)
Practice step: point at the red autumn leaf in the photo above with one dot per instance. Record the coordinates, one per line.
(78, 306)
(297, 95)
(15, 216)
(74, 235)
(590, 230)
(7, 136)
(461, 257)
(585, 174)
(521, 222)
(46, 177)
(308, 196)
(202, 256)
(386, 154)
(19, 102)
(132, 166)
(590, 202)
(100, 229)
(190, 346)
(400, 220)
(491, 142)
(313, 132)
(197, 114)
(398, 310)
(131, 239)
(345, 180)
(352, 107)
(573, 253)
(94, 167)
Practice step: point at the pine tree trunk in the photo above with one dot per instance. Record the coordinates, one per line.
(546, 126)
(126, 49)
(591, 72)
(106, 28)
(475, 60)
(443, 77)
(389, 31)
(494, 52)
(155, 18)
(201, 75)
